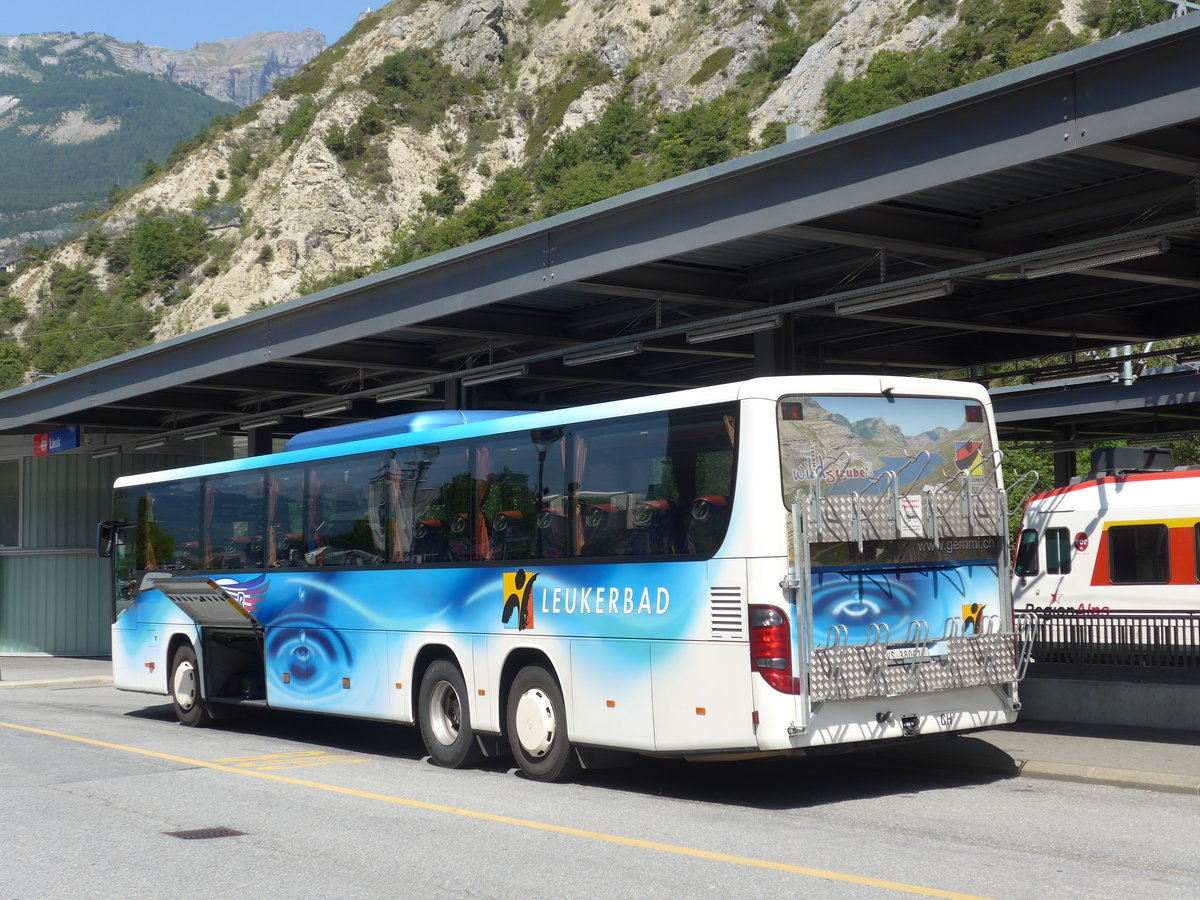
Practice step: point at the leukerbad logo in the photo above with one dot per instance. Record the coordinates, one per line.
(972, 614)
(518, 598)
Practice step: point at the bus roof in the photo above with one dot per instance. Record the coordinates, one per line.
(408, 423)
(362, 438)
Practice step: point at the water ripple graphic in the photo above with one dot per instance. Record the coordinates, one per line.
(315, 657)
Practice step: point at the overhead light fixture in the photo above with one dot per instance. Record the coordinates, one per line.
(734, 329)
(327, 409)
(151, 444)
(203, 433)
(884, 299)
(107, 451)
(1098, 256)
(600, 354)
(404, 393)
(494, 375)
(261, 422)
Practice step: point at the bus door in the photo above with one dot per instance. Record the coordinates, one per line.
(231, 638)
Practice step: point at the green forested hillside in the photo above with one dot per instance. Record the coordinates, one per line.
(38, 172)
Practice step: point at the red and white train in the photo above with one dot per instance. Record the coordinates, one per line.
(1124, 537)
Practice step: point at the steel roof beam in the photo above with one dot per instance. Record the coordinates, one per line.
(1144, 158)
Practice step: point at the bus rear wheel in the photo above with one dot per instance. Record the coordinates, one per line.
(537, 727)
(185, 688)
(445, 716)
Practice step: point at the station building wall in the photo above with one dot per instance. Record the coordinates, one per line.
(56, 595)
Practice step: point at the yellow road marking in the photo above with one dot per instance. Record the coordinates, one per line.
(293, 755)
(316, 762)
(303, 759)
(617, 839)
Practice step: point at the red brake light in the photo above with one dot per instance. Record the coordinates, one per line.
(771, 647)
(791, 412)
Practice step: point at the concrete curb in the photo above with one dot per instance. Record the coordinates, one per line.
(1126, 778)
(1004, 765)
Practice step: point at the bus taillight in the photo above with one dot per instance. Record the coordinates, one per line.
(771, 647)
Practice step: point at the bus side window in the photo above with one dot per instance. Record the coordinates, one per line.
(233, 530)
(1138, 554)
(1027, 558)
(432, 504)
(168, 518)
(626, 498)
(285, 518)
(347, 511)
(1058, 551)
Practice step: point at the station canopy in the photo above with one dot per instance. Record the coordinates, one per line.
(1049, 211)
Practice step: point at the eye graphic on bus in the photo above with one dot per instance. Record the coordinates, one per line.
(518, 597)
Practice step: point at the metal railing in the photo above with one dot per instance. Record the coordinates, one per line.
(1128, 643)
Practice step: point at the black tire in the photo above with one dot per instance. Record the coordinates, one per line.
(536, 724)
(444, 713)
(184, 685)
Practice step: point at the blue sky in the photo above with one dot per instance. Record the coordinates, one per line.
(177, 24)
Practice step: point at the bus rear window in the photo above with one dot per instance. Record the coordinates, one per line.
(862, 444)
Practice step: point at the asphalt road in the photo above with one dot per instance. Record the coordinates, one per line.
(94, 783)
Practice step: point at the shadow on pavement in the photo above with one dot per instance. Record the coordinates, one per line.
(773, 783)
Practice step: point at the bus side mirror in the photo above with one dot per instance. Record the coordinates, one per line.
(106, 537)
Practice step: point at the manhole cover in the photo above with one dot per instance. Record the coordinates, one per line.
(200, 834)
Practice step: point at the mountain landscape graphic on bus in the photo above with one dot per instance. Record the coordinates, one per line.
(966, 456)
(518, 598)
(848, 443)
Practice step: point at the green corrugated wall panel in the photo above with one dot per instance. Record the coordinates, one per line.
(65, 496)
(56, 603)
(60, 602)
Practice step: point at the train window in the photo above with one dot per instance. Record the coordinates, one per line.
(1138, 554)
(1058, 551)
(1196, 548)
(1027, 561)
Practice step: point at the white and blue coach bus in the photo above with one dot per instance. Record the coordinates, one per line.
(758, 568)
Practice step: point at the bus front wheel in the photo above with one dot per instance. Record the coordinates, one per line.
(537, 726)
(185, 688)
(445, 716)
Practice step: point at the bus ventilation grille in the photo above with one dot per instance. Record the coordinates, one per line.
(725, 614)
(200, 834)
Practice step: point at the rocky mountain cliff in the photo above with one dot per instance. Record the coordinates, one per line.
(433, 123)
(239, 70)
